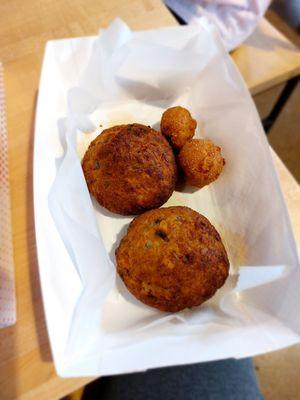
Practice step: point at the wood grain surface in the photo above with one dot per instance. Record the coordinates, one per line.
(26, 367)
(267, 58)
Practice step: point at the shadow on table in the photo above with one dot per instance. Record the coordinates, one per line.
(36, 295)
(261, 39)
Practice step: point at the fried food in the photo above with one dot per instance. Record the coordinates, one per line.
(178, 126)
(172, 258)
(130, 169)
(201, 161)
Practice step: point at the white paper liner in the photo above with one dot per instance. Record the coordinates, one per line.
(95, 325)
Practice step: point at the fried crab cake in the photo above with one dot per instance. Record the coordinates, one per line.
(201, 161)
(130, 169)
(178, 126)
(172, 258)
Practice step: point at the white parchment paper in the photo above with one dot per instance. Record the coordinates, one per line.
(96, 326)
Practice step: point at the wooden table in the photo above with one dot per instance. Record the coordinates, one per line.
(267, 58)
(26, 368)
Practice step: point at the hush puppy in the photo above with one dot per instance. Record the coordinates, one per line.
(130, 169)
(201, 161)
(178, 126)
(172, 258)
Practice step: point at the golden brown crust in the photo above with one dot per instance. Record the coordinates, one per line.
(178, 126)
(130, 169)
(172, 258)
(201, 161)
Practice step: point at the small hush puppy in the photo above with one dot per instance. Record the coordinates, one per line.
(201, 161)
(178, 126)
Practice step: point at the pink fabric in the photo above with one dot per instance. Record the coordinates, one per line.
(236, 19)
(7, 289)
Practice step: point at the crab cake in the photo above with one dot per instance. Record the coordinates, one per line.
(178, 126)
(202, 162)
(172, 258)
(130, 169)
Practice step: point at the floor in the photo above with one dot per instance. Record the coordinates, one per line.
(278, 372)
(285, 134)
